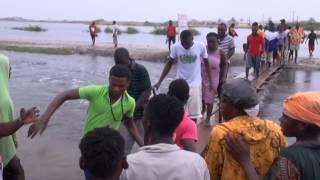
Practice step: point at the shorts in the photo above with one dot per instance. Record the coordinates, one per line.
(172, 39)
(281, 47)
(253, 61)
(294, 47)
(115, 39)
(194, 103)
(275, 54)
(311, 46)
(93, 36)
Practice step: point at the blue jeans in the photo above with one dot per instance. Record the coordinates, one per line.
(87, 175)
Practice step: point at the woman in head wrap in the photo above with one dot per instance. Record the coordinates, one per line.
(8, 126)
(300, 119)
(240, 107)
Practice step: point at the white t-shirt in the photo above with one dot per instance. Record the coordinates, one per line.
(165, 162)
(115, 30)
(271, 35)
(189, 62)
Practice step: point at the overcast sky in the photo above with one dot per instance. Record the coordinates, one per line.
(160, 10)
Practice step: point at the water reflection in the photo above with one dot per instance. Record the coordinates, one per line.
(289, 82)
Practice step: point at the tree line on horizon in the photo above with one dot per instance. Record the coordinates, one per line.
(306, 24)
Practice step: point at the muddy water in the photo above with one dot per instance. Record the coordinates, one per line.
(288, 82)
(36, 79)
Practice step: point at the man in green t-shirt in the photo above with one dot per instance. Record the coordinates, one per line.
(108, 105)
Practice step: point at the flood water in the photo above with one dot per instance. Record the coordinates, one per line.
(75, 32)
(288, 82)
(36, 79)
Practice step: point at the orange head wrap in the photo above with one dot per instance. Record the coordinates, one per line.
(304, 107)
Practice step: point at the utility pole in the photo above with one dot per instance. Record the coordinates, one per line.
(293, 15)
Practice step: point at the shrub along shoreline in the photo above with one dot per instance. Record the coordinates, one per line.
(31, 28)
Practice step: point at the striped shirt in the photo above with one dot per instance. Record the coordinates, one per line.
(226, 44)
(139, 83)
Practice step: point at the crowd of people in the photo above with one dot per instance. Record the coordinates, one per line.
(273, 44)
(243, 146)
(93, 30)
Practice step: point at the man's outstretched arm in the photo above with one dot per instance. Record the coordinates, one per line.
(51, 109)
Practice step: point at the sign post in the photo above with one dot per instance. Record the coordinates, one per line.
(182, 23)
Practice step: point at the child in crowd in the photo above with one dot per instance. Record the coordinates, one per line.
(102, 154)
(186, 134)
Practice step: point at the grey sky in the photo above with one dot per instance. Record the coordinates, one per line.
(159, 10)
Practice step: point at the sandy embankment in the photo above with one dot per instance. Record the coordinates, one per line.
(138, 52)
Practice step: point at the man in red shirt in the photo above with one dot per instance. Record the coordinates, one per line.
(93, 32)
(255, 48)
(171, 34)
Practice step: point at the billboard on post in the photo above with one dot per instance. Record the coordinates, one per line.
(182, 22)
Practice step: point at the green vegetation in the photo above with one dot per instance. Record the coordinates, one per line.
(159, 31)
(147, 23)
(309, 26)
(108, 29)
(195, 32)
(132, 30)
(98, 21)
(163, 31)
(129, 30)
(98, 30)
(31, 29)
(154, 24)
(39, 50)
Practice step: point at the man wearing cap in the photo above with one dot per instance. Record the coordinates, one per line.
(300, 119)
(240, 107)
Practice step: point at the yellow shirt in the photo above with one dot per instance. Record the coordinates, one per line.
(297, 36)
(264, 137)
(261, 33)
